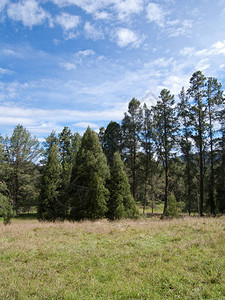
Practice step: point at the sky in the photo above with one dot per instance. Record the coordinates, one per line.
(78, 63)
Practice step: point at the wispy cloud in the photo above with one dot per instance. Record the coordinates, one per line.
(3, 4)
(5, 71)
(91, 32)
(155, 14)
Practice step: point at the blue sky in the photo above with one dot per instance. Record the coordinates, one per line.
(79, 62)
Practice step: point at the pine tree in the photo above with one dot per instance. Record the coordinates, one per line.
(66, 160)
(214, 101)
(49, 207)
(22, 152)
(121, 203)
(165, 130)
(147, 162)
(183, 108)
(131, 129)
(220, 182)
(90, 172)
(198, 114)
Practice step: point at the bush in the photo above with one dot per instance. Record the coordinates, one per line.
(6, 209)
(172, 209)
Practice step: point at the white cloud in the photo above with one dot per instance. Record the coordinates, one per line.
(68, 21)
(28, 12)
(179, 27)
(203, 64)
(126, 37)
(86, 52)
(187, 51)
(47, 120)
(5, 71)
(68, 66)
(128, 7)
(86, 124)
(122, 8)
(77, 59)
(93, 33)
(155, 14)
(3, 4)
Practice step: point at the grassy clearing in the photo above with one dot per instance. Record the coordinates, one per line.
(144, 259)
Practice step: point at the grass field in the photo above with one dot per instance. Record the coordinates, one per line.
(143, 259)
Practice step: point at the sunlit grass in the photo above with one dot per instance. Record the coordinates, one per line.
(143, 259)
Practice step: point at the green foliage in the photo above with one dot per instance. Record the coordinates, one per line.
(121, 203)
(90, 172)
(112, 140)
(6, 209)
(49, 207)
(20, 171)
(172, 210)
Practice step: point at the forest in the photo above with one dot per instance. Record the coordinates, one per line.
(171, 153)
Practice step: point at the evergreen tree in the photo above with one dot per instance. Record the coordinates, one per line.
(183, 108)
(75, 144)
(49, 207)
(220, 183)
(6, 209)
(147, 161)
(165, 130)
(112, 140)
(198, 114)
(90, 172)
(131, 129)
(172, 209)
(121, 203)
(22, 151)
(214, 101)
(66, 159)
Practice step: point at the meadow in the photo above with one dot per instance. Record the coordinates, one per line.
(144, 259)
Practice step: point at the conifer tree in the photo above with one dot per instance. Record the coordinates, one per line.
(90, 172)
(22, 151)
(165, 130)
(198, 114)
(6, 209)
(147, 162)
(49, 207)
(172, 209)
(121, 203)
(214, 101)
(112, 140)
(183, 108)
(131, 129)
(66, 160)
(220, 183)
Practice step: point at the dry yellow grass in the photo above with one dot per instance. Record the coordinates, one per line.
(142, 259)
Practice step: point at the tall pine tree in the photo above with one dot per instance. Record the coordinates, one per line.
(131, 130)
(198, 115)
(165, 130)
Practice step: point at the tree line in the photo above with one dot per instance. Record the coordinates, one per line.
(172, 148)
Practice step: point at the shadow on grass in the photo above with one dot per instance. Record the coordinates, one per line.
(26, 216)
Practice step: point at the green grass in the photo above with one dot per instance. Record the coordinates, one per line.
(143, 259)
